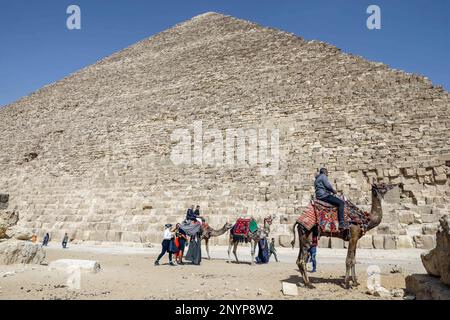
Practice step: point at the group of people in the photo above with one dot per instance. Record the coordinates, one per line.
(46, 240)
(175, 238)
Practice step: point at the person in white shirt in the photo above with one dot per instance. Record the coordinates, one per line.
(168, 236)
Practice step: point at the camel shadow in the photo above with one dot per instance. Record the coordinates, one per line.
(297, 279)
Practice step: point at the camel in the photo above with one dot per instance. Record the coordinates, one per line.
(254, 238)
(209, 232)
(354, 234)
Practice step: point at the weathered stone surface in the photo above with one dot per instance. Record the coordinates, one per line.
(8, 219)
(366, 242)
(425, 287)
(378, 241)
(19, 233)
(14, 252)
(425, 241)
(405, 242)
(437, 261)
(324, 242)
(4, 199)
(289, 289)
(83, 265)
(89, 166)
(285, 241)
(336, 243)
(390, 242)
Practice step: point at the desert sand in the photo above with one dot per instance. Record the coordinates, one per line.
(129, 273)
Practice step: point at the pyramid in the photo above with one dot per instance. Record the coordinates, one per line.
(93, 154)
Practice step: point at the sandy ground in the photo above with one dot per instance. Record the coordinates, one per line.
(129, 273)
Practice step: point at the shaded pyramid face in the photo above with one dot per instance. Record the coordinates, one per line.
(99, 154)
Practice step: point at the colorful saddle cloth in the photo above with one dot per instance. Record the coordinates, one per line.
(326, 216)
(243, 227)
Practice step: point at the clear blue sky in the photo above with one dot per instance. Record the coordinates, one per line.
(37, 48)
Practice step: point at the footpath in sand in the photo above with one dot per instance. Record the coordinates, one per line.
(129, 273)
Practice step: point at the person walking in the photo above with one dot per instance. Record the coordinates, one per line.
(65, 240)
(273, 250)
(167, 239)
(46, 240)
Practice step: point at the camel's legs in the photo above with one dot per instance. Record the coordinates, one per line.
(229, 250)
(351, 254)
(302, 256)
(234, 251)
(253, 249)
(207, 247)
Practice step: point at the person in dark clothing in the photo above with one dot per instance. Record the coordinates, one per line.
(197, 211)
(190, 215)
(168, 236)
(326, 193)
(46, 240)
(65, 240)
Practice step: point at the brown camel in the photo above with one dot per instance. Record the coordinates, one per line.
(260, 233)
(209, 232)
(355, 233)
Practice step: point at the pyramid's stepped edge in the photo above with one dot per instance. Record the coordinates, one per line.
(90, 155)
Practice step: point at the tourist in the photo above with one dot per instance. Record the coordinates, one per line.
(46, 240)
(181, 239)
(263, 251)
(272, 249)
(190, 215)
(312, 253)
(168, 236)
(326, 193)
(65, 240)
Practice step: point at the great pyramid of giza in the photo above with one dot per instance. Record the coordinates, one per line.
(92, 154)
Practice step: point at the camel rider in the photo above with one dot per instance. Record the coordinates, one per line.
(326, 193)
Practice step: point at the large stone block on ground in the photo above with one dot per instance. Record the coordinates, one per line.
(8, 219)
(285, 241)
(15, 252)
(426, 287)
(425, 241)
(336, 243)
(324, 242)
(378, 241)
(366, 242)
(390, 242)
(405, 242)
(437, 261)
(289, 289)
(83, 265)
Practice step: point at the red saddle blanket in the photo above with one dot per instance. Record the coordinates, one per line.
(326, 216)
(242, 227)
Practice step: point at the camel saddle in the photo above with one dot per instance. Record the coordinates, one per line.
(242, 228)
(325, 216)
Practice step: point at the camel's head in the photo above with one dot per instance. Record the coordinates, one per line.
(269, 220)
(380, 189)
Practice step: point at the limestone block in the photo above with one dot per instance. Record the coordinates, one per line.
(366, 242)
(324, 242)
(437, 261)
(430, 228)
(405, 242)
(378, 241)
(289, 289)
(442, 178)
(336, 243)
(405, 216)
(425, 287)
(285, 241)
(424, 241)
(390, 242)
(16, 252)
(19, 233)
(132, 237)
(70, 264)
